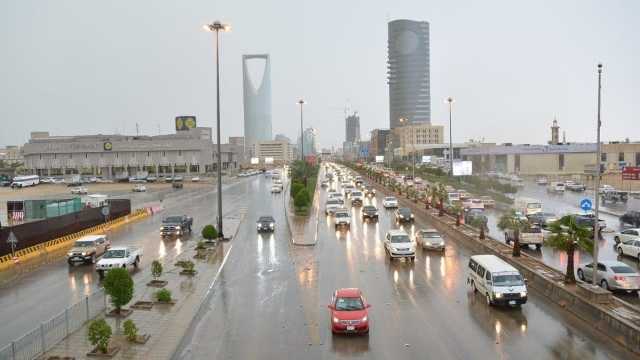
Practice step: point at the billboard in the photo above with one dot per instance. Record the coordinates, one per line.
(426, 159)
(185, 123)
(379, 158)
(255, 161)
(268, 160)
(631, 173)
(462, 168)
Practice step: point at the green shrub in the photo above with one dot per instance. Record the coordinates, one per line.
(156, 269)
(200, 245)
(99, 335)
(186, 265)
(130, 330)
(301, 199)
(209, 232)
(119, 286)
(163, 295)
(296, 187)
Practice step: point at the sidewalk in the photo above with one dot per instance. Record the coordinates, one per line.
(166, 324)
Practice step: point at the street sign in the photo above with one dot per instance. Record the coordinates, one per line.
(631, 173)
(12, 239)
(585, 204)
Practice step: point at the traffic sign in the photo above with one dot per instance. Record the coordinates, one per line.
(585, 204)
(12, 239)
(105, 211)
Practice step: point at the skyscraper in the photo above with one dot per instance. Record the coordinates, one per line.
(257, 103)
(352, 125)
(408, 72)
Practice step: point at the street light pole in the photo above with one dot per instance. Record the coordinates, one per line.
(216, 27)
(450, 101)
(596, 225)
(301, 102)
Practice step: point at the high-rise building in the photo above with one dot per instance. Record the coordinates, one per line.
(282, 137)
(352, 126)
(257, 102)
(408, 72)
(379, 141)
(310, 142)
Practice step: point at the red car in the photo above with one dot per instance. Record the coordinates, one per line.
(349, 312)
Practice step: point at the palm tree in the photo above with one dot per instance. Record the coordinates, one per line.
(479, 223)
(441, 194)
(510, 221)
(567, 235)
(457, 212)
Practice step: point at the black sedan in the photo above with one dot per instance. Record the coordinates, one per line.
(370, 212)
(266, 223)
(404, 215)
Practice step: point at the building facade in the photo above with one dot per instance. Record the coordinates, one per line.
(190, 151)
(310, 142)
(352, 128)
(378, 142)
(257, 102)
(279, 151)
(408, 72)
(11, 154)
(412, 138)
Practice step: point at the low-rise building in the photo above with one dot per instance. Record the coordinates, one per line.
(378, 142)
(11, 154)
(415, 137)
(279, 151)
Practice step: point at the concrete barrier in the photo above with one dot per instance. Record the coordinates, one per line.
(615, 318)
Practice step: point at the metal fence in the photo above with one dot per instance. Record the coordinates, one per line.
(44, 337)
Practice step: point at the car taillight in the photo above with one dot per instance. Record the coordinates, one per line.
(619, 278)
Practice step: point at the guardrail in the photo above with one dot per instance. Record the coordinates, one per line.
(44, 337)
(55, 244)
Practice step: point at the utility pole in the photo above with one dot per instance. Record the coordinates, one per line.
(450, 101)
(596, 225)
(301, 102)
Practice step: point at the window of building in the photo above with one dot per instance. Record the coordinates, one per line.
(179, 152)
(86, 156)
(117, 155)
(621, 156)
(560, 161)
(148, 153)
(603, 157)
(517, 162)
(164, 154)
(638, 159)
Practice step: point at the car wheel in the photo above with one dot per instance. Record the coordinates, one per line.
(136, 263)
(580, 275)
(604, 284)
(616, 239)
(620, 252)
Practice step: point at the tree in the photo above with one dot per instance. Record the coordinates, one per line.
(130, 330)
(119, 286)
(296, 187)
(511, 221)
(457, 212)
(479, 223)
(440, 193)
(301, 199)
(99, 335)
(209, 232)
(156, 269)
(567, 236)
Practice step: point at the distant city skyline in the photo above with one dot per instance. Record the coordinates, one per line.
(511, 67)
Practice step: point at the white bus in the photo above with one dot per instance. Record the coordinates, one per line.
(24, 181)
(528, 206)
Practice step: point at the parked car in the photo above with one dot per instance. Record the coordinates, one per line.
(195, 179)
(469, 203)
(119, 257)
(177, 185)
(430, 239)
(139, 188)
(151, 178)
(369, 212)
(403, 215)
(626, 235)
(496, 280)
(576, 187)
(349, 312)
(398, 244)
(556, 187)
(80, 190)
(176, 225)
(629, 247)
(542, 219)
(605, 188)
(389, 202)
(631, 217)
(276, 189)
(611, 275)
(542, 181)
(342, 218)
(615, 196)
(266, 223)
(87, 249)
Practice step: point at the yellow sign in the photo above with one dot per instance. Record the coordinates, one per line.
(185, 123)
(108, 146)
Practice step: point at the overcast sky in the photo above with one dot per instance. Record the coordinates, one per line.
(86, 67)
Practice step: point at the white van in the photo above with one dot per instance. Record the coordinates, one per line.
(528, 206)
(556, 186)
(496, 280)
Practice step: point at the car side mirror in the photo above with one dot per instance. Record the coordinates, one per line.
(330, 306)
(368, 306)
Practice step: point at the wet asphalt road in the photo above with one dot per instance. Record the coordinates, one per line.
(270, 302)
(31, 295)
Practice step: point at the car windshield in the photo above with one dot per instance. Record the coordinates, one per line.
(356, 193)
(172, 219)
(508, 280)
(404, 211)
(534, 206)
(430, 234)
(400, 239)
(84, 243)
(333, 202)
(266, 219)
(622, 270)
(342, 214)
(114, 254)
(369, 208)
(390, 199)
(349, 304)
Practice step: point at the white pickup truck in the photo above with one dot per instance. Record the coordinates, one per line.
(533, 236)
(118, 257)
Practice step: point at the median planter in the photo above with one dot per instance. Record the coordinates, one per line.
(131, 333)
(157, 283)
(111, 352)
(188, 267)
(120, 314)
(595, 294)
(142, 305)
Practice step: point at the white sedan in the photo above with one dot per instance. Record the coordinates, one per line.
(390, 202)
(276, 189)
(80, 190)
(625, 235)
(629, 248)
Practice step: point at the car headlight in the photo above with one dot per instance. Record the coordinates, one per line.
(523, 294)
(84, 253)
(364, 319)
(412, 216)
(69, 254)
(401, 216)
(336, 320)
(497, 295)
(177, 227)
(271, 225)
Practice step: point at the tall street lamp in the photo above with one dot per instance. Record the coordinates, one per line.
(596, 226)
(217, 27)
(301, 102)
(450, 101)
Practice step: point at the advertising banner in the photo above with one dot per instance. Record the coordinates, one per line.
(379, 158)
(184, 123)
(631, 173)
(462, 168)
(255, 161)
(426, 159)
